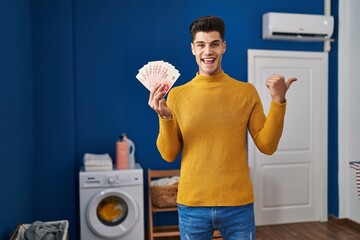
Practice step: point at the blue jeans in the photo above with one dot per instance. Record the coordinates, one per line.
(234, 223)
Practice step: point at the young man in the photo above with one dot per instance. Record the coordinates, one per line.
(207, 120)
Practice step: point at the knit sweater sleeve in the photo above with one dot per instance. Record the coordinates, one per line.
(266, 131)
(169, 140)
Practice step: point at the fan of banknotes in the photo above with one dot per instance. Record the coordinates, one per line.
(158, 72)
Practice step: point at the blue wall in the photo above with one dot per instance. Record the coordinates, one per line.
(54, 117)
(16, 116)
(68, 87)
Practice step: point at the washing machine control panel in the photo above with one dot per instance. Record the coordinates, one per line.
(119, 179)
(111, 178)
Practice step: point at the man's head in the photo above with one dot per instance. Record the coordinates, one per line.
(208, 44)
(207, 24)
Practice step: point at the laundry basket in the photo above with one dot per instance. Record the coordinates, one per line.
(21, 228)
(164, 196)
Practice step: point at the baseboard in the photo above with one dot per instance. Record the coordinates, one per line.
(344, 221)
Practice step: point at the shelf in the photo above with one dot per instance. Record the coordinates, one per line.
(161, 231)
(166, 231)
(162, 209)
(169, 230)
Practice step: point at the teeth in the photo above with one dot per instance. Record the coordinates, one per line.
(208, 60)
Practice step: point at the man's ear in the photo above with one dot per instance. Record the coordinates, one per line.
(192, 48)
(224, 46)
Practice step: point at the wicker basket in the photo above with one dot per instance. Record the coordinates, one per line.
(164, 196)
(20, 230)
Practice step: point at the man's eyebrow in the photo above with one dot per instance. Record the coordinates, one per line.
(215, 41)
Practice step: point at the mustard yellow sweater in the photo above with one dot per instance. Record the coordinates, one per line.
(211, 115)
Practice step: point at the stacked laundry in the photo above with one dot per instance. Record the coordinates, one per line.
(97, 162)
(166, 181)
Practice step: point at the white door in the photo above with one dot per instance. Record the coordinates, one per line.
(291, 185)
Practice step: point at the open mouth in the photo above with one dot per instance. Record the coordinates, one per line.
(208, 61)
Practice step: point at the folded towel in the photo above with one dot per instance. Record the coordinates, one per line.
(97, 159)
(165, 181)
(97, 162)
(98, 168)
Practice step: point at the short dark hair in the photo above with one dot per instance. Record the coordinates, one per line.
(207, 24)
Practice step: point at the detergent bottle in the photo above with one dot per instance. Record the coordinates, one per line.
(131, 151)
(122, 152)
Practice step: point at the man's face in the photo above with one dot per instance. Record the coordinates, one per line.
(208, 49)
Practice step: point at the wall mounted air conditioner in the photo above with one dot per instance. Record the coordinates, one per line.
(297, 27)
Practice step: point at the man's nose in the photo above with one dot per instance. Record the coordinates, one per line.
(208, 50)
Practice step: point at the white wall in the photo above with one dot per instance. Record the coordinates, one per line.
(349, 110)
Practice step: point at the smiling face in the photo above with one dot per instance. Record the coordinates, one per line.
(208, 48)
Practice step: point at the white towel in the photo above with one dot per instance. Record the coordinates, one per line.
(165, 181)
(94, 162)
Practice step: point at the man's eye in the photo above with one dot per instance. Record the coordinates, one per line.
(200, 45)
(215, 44)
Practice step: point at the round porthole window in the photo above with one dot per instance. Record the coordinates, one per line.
(112, 210)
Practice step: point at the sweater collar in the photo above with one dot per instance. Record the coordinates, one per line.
(210, 79)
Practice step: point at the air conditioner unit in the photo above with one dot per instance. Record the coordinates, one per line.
(297, 27)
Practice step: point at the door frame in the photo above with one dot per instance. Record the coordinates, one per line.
(347, 123)
(323, 178)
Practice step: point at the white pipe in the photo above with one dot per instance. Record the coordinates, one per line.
(327, 7)
(327, 12)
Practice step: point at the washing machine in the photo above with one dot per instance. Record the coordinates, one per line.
(112, 204)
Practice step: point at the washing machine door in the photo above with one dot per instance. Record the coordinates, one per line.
(112, 213)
